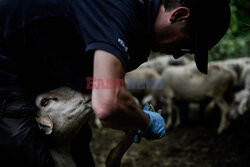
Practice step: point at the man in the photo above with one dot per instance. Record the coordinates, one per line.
(51, 43)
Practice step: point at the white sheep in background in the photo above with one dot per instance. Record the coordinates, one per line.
(241, 101)
(186, 83)
(238, 65)
(146, 77)
(159, 63)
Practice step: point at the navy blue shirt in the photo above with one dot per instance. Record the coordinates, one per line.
(50, 42)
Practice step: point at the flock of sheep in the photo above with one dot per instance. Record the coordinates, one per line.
(63, 111)
(226, 85)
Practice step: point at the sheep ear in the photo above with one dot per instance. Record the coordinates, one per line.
(45, 122)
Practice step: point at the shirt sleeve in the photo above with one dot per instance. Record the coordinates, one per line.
(104, 25)
(108, 48)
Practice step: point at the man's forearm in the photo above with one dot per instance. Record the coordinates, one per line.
(124, 113)
(114, 106)
(128, 114)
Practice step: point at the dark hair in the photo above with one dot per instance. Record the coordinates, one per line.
(171, 4)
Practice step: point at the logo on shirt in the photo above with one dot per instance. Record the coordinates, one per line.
(122, 43)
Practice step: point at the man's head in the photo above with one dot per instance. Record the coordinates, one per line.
(190, 26)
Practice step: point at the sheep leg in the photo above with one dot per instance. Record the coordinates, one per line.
(169, 113)
(210, 106)
(178, 116)
(224, 122)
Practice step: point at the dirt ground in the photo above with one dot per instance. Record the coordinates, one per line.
(194, 144)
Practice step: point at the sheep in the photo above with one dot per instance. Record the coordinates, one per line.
(159, 63)
(240, 104)
(241, 99)
(62, 112)
(186, 83)
(245, 77)
(141, 81)
(238, 65)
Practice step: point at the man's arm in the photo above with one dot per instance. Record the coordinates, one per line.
(116, 108)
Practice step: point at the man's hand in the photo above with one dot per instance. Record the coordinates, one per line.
(155, 129)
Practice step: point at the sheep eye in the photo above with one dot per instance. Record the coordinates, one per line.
(45, 101)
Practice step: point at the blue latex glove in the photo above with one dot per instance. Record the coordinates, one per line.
(155, 129)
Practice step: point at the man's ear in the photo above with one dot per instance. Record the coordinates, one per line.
(179, 13)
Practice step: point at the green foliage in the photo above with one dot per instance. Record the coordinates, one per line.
(231, 47)
(236, 42)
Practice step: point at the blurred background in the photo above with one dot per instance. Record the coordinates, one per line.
(236, 42)
(207, 116)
